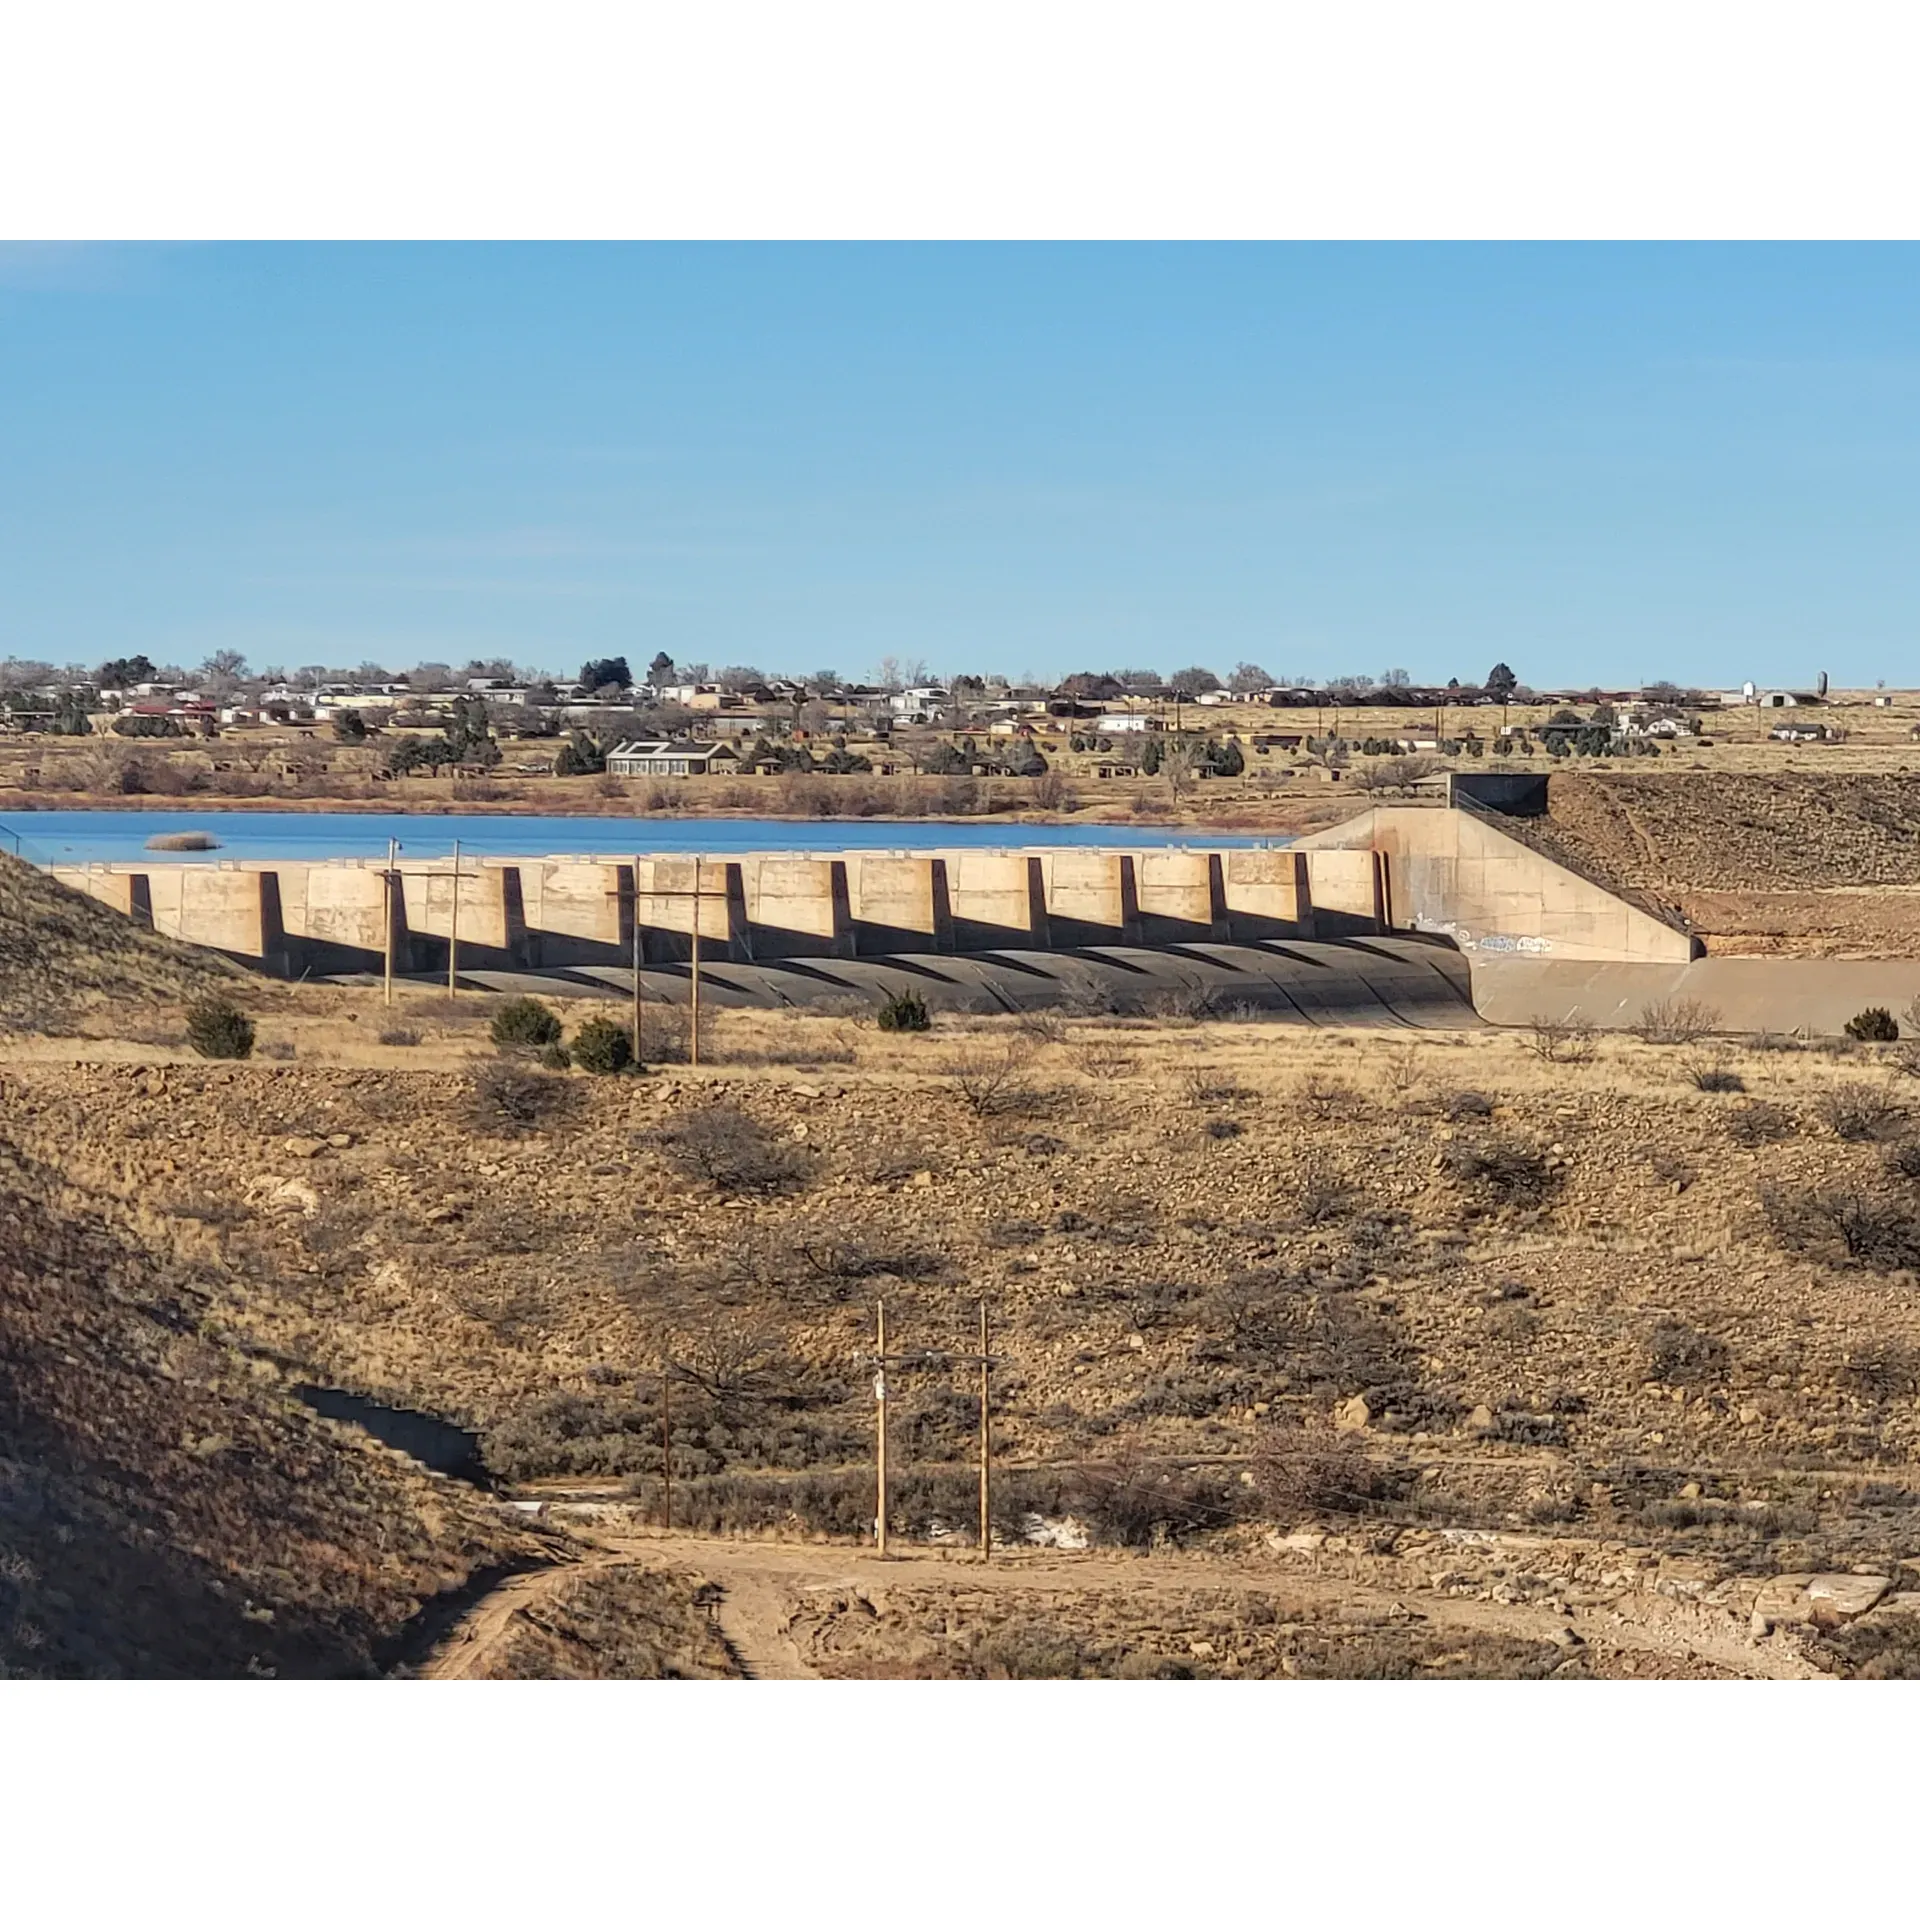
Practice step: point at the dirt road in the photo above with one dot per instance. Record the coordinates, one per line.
(765, 1584)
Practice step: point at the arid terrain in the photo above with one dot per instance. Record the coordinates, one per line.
(1316, 1352)
(1804, 862)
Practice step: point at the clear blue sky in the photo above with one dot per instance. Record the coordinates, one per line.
(1598, 463)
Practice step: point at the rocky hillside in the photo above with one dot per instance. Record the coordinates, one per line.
(64, 957)
(166, 1509)
(1792, 863)
(1675, 833)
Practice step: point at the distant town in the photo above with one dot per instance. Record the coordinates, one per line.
(680, 720)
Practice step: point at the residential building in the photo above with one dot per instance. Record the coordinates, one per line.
(672, 758)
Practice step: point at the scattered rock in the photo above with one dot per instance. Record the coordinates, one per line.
(303, 1146)
(1834, 1597)
(1481, 1420)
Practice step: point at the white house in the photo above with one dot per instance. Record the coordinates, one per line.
(1127, 723)
(669, 758)
(917, 703)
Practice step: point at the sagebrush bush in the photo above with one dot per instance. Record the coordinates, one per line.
(1667, 1023)
(1678, 1353)
(903, 1013)
(1706, 1077)
(601, 1046)
(1861, 1113)
(1873, 1023)
(399, 1036)
(1301, 1471)
(1515, 1174)
(525, 1023)
(505, 1097)
(734, 1152)
(1756, 1123)
(218, 1030)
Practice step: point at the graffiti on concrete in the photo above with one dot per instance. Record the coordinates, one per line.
(1469, 942)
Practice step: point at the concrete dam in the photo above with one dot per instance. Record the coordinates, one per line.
(1418, 915)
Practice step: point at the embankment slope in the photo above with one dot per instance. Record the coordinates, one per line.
(1793, 864)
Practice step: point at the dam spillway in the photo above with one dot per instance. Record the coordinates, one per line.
(297, 918)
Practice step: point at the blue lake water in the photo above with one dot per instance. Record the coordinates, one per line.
(105, 835)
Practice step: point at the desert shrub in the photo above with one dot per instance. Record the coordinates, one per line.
(600, 1045)
(1027, 1651)
(1840, 1226)
(505, 1097)
(1667, 1023)
(666, 1033)
(1861, 1113)
(1465, 1103)
(1205, 1088)
(732, 1151)
(1221, 1128)
(904, 1012)
(1880, 1647)
(1322, 1192)
(1104, 1060)
(1306, 1470)
(1042, 1026)
(1707, 1077)
(1756, 1122)
(555, 1058)
(995, 1082)
(1136, 1501)
(1404, 1070)
(1902, 1159)
(525, 1023)
(1873, 1024)
(218, 1030)
(1904, 1058)
(1567, 1041)
(399, 1036)
(1192, 1000)
(1881, 1370)
(1507, 1170)
(1678, 1353)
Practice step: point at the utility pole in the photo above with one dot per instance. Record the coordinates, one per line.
(693, 1023)
(453, 931)
(393, 848)
(639, 1059)
(880, 1402)
(986, 1470)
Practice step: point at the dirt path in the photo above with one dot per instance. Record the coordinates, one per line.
(478, 1632)
(765, 1581)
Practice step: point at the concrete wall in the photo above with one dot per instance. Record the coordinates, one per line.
(1744, 994)
(1452, 873)
(1268, 895)
(900, 903)
(320, 916)
(796, 906)
(999, 900)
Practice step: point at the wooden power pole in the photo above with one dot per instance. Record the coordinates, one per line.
(640, 1058)
(693, 1020)
(393, 848)
(453, 930)
(880, 1404)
